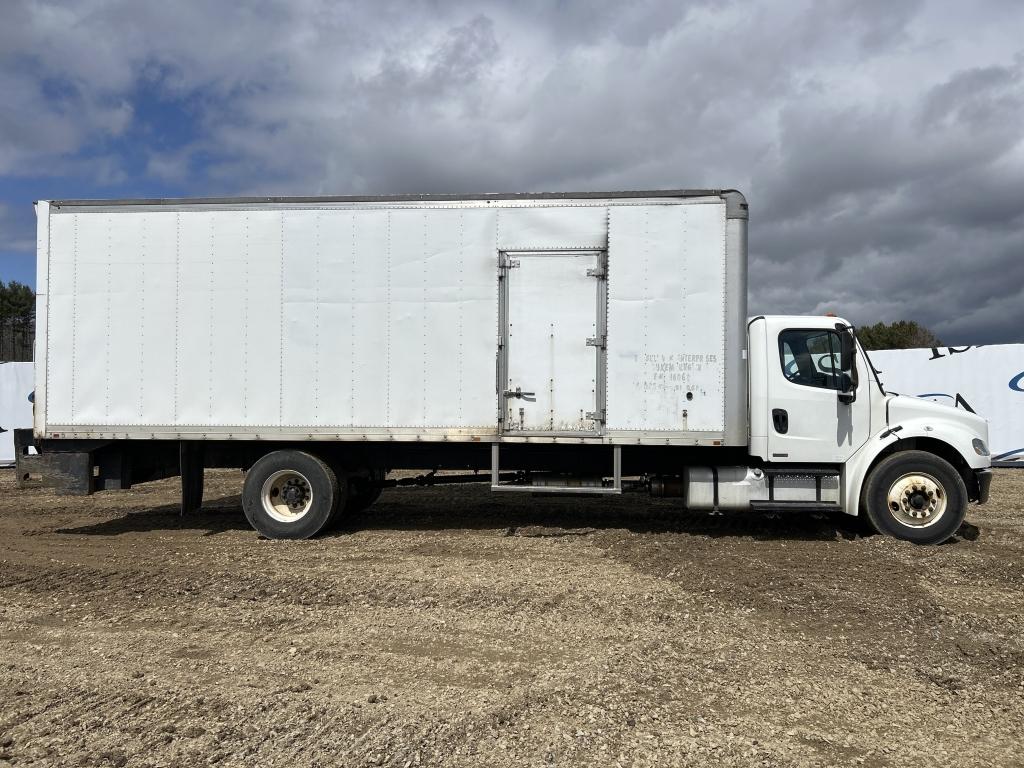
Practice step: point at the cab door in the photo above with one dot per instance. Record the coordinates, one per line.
(812, 417)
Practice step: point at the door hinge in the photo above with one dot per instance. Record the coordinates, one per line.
(597, 341)
(507, 262)
(596, 272)
(595, 415)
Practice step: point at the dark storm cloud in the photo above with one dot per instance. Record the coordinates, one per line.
(879, 142)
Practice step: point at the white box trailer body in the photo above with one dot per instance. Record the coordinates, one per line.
(569, 343)
(357, 319)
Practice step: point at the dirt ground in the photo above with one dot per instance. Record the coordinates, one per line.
(453, 627)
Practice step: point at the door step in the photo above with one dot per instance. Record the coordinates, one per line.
(569, 486)
(564, 490)
(794, 506)
(798, 471)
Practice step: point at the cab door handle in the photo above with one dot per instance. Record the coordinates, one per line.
(781, 420)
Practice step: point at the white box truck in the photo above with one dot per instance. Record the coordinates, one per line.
(551, 343)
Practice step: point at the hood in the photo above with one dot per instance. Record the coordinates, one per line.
(904, 408)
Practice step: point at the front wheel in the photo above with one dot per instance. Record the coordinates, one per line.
(915, 496)
(290, 495)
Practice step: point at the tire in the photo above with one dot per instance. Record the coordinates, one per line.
(360, 495)
(915, 496)
(290, 495)
(365, 488)
(363, 496)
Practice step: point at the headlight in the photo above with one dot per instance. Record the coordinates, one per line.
(979, 446)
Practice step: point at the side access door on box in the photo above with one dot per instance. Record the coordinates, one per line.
(551, 347)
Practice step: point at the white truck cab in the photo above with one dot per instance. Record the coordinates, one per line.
(909, 466)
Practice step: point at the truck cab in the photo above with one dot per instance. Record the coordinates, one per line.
(909, 466)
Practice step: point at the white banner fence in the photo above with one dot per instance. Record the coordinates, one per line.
(987, 379)
(16, 384)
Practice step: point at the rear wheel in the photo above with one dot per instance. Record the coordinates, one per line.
(363, 496)
(915, 496)
(364, 488)
(290, 495)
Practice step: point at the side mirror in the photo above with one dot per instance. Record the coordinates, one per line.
(847, 390)
(847, 347)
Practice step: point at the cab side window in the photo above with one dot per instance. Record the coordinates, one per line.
(811, 358)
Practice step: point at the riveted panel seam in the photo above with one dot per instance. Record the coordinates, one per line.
(459, 363)
(387, 322)
(245, 321)
(684, 305)
(423, 322)
(143, 247)
(316, 318)
(645, 259)
(722, 350)
(354, 258)
(281, 323)
(177, 307)
(108, 290)
(74, 317)
(212, 325)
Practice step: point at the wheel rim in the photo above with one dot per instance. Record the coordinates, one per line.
(917, 500)
(287, 496)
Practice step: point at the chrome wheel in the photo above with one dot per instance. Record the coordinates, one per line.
(917, 500)
(287, 496)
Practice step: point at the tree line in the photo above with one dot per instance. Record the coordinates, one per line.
(17, 321)
(902, 334)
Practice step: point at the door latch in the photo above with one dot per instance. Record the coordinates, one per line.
(530, 397)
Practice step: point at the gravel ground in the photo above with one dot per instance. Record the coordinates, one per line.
(452, 627)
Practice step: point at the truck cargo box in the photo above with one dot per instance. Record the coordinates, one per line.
(617, 318)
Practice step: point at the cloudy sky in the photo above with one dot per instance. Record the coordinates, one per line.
(880, 143)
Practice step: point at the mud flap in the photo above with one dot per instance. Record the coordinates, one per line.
(68, 472)
(190, 465)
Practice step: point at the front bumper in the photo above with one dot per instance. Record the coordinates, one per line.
(983, 477)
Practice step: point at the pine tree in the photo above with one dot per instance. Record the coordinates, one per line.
(902, 334)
